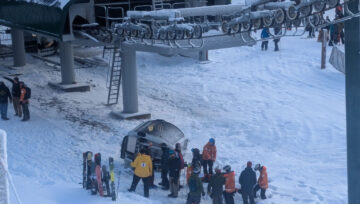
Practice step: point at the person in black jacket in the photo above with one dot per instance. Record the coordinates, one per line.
(4, 96)
(277, 31)
(197, 158)
(247, 181)
(174, 165)
(164, 167)
(15, 92)
(215, 187)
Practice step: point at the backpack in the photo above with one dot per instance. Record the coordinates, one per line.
(28, 93)
(192, 185)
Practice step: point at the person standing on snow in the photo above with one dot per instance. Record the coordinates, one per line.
(229, 185)
(143, 170)
(215, 187)
(277, 31)
(180, 156)
(174, 165)
(195, 162)
(209, 157)
(247, 181)
(164, 167)
(25, 94)
(196, 188)
(265, 35)
(15, 92)
(262, 181)
(5, 97)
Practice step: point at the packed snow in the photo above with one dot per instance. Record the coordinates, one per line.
(275, 108)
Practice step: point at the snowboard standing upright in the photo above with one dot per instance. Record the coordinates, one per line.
(105, 179)
(87, 160)
(98, 173)
(112, 178)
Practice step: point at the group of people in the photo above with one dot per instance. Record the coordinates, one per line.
(19, 97)
(265, 34)
(172, 163)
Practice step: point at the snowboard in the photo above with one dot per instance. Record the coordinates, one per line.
(105, 180)
(93, 182)
(84, 173)
(87, 170)
(98, 174)
(112, 178)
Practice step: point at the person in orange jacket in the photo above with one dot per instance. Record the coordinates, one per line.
(209, 157)
(229, 185)
(262, 181)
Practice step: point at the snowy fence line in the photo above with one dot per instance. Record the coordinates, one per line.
(4, 182)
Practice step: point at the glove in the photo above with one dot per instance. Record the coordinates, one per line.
(203, 193)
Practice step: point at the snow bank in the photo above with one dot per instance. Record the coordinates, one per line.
(4, 184)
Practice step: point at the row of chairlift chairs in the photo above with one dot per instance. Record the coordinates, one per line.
(155, 26)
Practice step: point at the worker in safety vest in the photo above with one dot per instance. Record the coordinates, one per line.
(229, 185)
(143, 170)
(262, 181)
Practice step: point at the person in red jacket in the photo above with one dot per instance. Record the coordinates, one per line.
(229, 185)
(209, 157)
(262, 181)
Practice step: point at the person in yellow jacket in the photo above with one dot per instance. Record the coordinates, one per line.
(143, 170)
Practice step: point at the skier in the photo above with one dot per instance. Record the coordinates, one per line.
(164, 167)
(229, 185)
(247, 181)
(195, 187)
(174, 165)
(15, 92)
(143, 170)
(264, 35)
(25, 94)
(215, 186)
(209, 157)
(5, 96)
(277, 31)
(262, 181)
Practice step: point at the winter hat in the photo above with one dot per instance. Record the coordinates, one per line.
(212, 140)
(217, 169)
(249, 164)
(16, 79)
(257, 167)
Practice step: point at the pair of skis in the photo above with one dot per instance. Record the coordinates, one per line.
(95, 178)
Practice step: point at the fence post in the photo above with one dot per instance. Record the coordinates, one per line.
(323, 49)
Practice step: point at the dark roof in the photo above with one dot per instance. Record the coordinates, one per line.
(42, 17)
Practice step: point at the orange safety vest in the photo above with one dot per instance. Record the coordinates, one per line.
(230, 182)
(188, 173)
(209, 152)
(263, 178)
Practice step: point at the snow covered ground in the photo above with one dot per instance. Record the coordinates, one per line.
(275, 108)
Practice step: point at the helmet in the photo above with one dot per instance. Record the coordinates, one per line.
(196, 170)
(227, 168)
(257, 167)
(217, 169)
(212, 140)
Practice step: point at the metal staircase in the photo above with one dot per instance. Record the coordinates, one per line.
(115, 77)
(157, 4)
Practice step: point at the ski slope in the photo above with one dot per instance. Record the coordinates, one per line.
(275, 108)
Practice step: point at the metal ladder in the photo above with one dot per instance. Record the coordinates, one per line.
(157, 5)
(115, 77)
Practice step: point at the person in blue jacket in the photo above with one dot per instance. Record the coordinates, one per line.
(265, 35)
